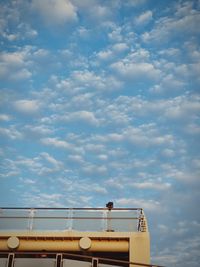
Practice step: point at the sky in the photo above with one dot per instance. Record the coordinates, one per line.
(100, 102)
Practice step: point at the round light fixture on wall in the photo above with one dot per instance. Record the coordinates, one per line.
(85, 243)
(13, 242)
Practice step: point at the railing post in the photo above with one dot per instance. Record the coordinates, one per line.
(70, 219)
(59, 260)
(109, 205)
(10, 261)
(95, 262)
(109, 221)
(31, 216)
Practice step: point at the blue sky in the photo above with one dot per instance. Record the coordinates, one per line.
(99, 102)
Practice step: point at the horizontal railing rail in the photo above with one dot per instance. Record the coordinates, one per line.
(78, 218)
(52, 208)
(45, 218)
(32, 255)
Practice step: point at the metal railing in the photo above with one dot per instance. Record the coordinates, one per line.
(58, 259)
(79, 219)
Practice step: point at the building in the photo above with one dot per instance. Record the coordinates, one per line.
(75, 237)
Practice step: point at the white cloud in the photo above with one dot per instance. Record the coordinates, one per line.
(76, 158)
(144, 18)
(41, 165)
(95, 148)
(31, 163)
(38, 129)
(55, 12)
(100, 12)
(183, 107)
(151, 185)
(185, 176)
(142, 164)
(15, 58)
(95, 11)
(136, 71)
(193, 129)
(13, 66)
(11, 37)
(22, 74)
(120, 47)
(43, 199)
(115, 183)
(11, 133)
(56, 163)
(178, 252)
(27, 106)
(99, 189)
(86, 200)
(28, 181)
(21, 30)
(103, 157)
(183, 8)
(170, 52)
(83, 116)
(182, 24)
(138, 55)
(169, 84)
(115, 116)
(168, 153)
(41, 53)
(146, 135)
(105, 55)
(82, 101)
(5, 117)
(56, 143)
(89, 81)
(25, 31)
(147, 204)
(115, 137)
(83, 32)
(134, 3)
(116, 35)
(91, 169)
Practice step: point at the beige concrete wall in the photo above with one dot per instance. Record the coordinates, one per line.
(139, 247)
(136, 243)
(67, 245)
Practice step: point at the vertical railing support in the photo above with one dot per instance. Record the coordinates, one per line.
(59, 260)
(31, 217)
(70, 219)
(95, 262)
(10, 261)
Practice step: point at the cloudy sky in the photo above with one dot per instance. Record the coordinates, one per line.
(99, 102)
